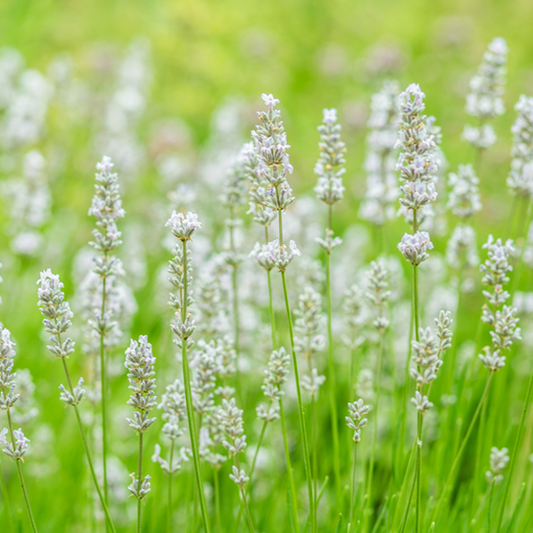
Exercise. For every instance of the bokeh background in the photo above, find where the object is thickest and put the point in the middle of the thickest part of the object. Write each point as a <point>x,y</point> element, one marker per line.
<point>169,89</point>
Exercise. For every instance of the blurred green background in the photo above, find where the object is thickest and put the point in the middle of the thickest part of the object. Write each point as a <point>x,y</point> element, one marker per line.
<point>309,54</point>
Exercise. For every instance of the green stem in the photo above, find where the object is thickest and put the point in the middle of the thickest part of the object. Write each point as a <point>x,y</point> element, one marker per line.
<point>139,482</point>
<point>515,449</point>
<point>408,506</point>
<point>301,411</point>
<point>332,388</point>
<point>490,505</point>
<point>374,435</point>
<point>418,471</point>
<point>20,474</point>
<point>169,506</point>
<point>292,487</point>
<point>86,446</point>
<point>188,397</point>
<point>7,505</point>
<point>103,387</point>
<point>461,449</point>
<point>217,499</point>
<point>352,489</point>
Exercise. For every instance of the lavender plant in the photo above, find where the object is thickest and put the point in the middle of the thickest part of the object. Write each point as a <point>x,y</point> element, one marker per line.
<point>57,315</point>
<point>17,445</point>
<point>107,208</point>
<point>180,269</point>
<point>140,365</point>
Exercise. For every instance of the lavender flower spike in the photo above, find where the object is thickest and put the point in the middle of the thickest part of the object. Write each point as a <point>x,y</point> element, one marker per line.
<point>414,247</point>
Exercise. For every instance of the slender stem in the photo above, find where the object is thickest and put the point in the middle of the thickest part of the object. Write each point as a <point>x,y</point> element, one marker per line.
<point>352,488</point>
<point>247,510</point>
<point>103,387</point>
<point>408,506</point>
<point>479,451</point>
<point>188,397</point>
<point>139,482</point>
<point>404,483</point>
<point>374,435</point>
<point>217,499</point>
<point>7,505</point>
<point>461,449</point>
<point>20,474</point>
<point>86,446</point>
<point>331,386</point>
<point>301,411</point>
<point>169,506</point>
<point>490,505</point>
<point>418,471</point>
<point>314,436</point>
<point>516,446</point>
<point>259,442</point>
<point>292,488</point>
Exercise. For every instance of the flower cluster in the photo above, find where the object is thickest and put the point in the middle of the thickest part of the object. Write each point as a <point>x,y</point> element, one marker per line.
<point>414,247</point>
<point>520,180</point>
<point>329,188</point>
<point>19,443</point>
<point>416,162</point>
<point>174,413</point>
<point>275,377</point>
<point>484,101</point>
<point>462,249</point>
<point>355,316</point>
<point>56,311</point>
<point>427,356</point>
<point>495,270</point>
<point>183,226</point>
<point>355,421</point>
<point>308,341</point>
<point>140,365</point>
<point>270,141</point>
<point>498,462</point>
<point>380,162</point>
<point>378,293</point>
<point>205,364</point>
<point>273,255</point>
<point>464,199</point>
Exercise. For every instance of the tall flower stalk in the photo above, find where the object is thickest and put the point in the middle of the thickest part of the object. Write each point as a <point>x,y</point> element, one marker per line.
<point>418,167</point>
<point>378,294</point>
<point>270,141</point>
<point>495,268</point>
<point>17,446</point>
<point>106,207</point>
<point>484,101</point>
<point>330,190</point>
<point>57,315</point>
<point>180,269</point>
<point>140,365</point>
<point>355,422</point>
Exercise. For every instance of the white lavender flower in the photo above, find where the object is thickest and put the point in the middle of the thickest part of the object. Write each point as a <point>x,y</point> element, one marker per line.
<point>461,251</point>
<point>356,420</point>
<point>183,226</point>
<point>230,419</point>
<point>520,180</point>
<point>378,293</point>
<point>380,163</point>
<point>421,402</point>
<point>309,321</point>
<point>313,381</point>
<point>17,450</point>
<point>464,199</point>
<point>414,247</point>
<point>275,376</point>
<point>239,477</point>
<point>498,462</point>
<point>143,490</point>
<point>355,316</point>
<point>443,330</point>
<point>140,365</point>
<point>426,357</point>
<point>273,255</point>
<point>205,364</point>
<point>484,101</point>
<point>8,397</point>
<point>416,162</point>
<point>329,188</point>
<point>57,313</point>
<point>75,397</point>
<point>270,141</point>
<point>495,270</point>
<point>329,242</point>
